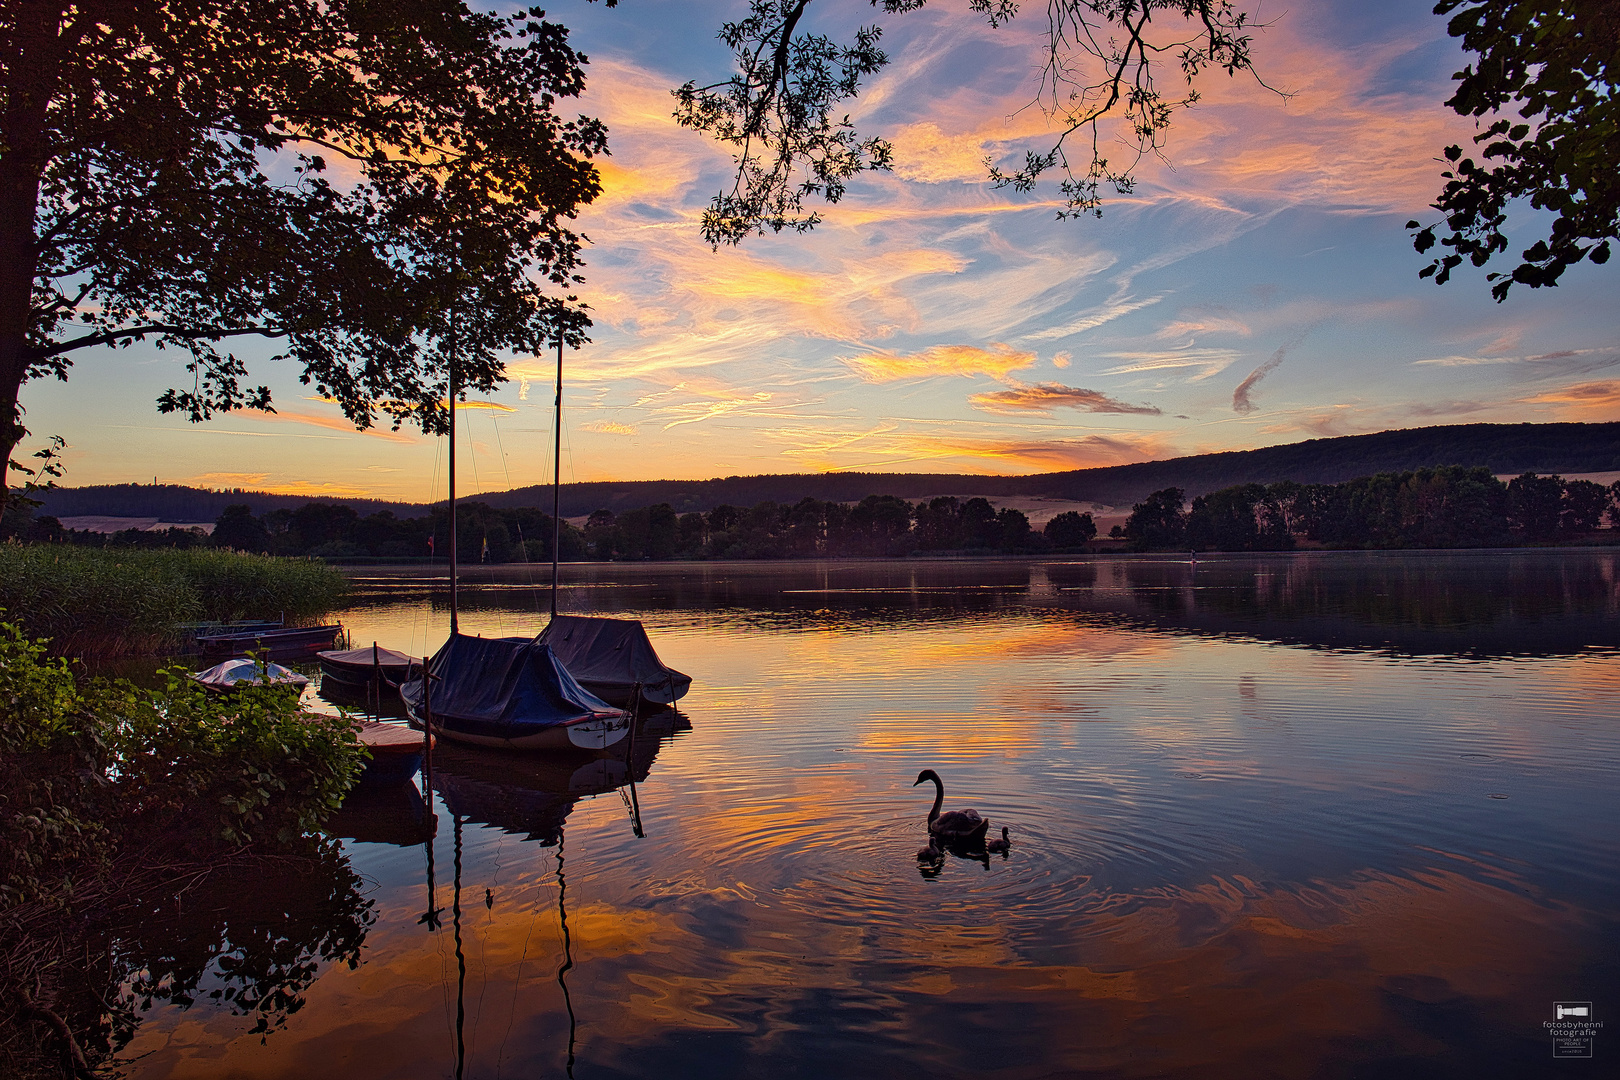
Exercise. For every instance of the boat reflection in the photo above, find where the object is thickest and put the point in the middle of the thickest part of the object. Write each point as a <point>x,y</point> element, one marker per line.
<point>383,814</point>
<point>531,795</point>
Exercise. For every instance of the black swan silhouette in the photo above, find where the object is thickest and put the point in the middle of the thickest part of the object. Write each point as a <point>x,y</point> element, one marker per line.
<point>997,846</point>
<point>957,826</point>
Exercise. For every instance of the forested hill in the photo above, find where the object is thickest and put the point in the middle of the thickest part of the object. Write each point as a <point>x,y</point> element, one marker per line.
<point>175,502</point>
<point>1502,448</point>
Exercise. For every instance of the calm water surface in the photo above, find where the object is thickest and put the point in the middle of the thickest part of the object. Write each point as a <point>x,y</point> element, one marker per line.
<point>1311,815</point>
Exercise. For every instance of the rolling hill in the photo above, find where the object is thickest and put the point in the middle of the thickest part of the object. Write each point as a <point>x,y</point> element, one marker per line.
<point>1502,448</point>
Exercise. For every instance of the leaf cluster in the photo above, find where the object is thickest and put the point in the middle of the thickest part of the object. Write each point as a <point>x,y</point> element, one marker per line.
<point>1552,63</point>
<point>382,186</point>
<point>780,111</point>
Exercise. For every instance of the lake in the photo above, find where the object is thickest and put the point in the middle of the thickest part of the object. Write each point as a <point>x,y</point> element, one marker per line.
<point>1318,814</point>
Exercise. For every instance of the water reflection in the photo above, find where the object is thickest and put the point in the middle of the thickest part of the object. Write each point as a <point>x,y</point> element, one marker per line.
<point>1230,855</point>
<point>1475,603</point>
<point>247,940</point>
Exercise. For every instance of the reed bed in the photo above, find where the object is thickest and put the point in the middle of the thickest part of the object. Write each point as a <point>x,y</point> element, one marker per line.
<point>103,604</point>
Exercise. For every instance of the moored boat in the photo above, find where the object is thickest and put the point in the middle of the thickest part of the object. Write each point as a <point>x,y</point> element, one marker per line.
<point>396,752</point>
<point>612,657</point>
<point>235,674</point>
<point>289,644</point>
<point>358,667</point>
<point>514,694</point>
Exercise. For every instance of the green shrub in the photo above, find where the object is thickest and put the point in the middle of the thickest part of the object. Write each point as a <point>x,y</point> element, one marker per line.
<point>228,768</point>
<point>53,767</point>
<point>92,766</point>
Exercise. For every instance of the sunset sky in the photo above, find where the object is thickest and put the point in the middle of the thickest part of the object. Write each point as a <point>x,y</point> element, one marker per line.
<point>935,324</point>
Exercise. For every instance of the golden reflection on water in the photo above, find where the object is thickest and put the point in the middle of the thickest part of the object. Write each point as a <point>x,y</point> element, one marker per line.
<point>1229,858</point>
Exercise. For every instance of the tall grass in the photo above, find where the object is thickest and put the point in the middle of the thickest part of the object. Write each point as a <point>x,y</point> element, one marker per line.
<point>103,604</point>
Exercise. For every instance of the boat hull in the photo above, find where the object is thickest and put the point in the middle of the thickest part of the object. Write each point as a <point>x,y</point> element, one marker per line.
<point>344,667</point>
<point>294,644</point>
<point>592,733</point>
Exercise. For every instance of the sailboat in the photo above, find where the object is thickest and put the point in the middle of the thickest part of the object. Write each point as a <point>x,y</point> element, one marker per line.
<point>506,692</point>
<point>612,658</point>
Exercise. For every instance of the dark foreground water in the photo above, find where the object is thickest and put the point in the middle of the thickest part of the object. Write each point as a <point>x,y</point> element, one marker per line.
<point>1312,815</point>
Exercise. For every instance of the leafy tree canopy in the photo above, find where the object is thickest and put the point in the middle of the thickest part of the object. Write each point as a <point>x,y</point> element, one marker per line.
<point>378,185</point>
<point>1104,58</point>
<point>1551,63</point>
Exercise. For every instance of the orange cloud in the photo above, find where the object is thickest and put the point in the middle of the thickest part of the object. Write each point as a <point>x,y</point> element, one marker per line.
<point>1600,394</point>
<point>258,482</point>
<point>330,423</point>
<point>996,361</point>
<point>1044,397</point>
<point>885,447</point>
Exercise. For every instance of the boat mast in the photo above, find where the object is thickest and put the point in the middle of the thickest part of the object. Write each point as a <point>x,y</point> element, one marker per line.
<point>453,621</point>
<point>556,479</point>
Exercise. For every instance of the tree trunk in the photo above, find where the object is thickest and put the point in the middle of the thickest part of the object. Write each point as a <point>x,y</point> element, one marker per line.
<point>30,65</point>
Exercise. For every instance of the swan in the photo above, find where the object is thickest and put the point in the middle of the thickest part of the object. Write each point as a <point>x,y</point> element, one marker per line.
<point>999,845</point>
<point>929,853</point>
<point>957,826</point>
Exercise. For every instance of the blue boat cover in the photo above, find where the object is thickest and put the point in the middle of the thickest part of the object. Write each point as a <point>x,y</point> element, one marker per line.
<point>612,657</point>
<point>501,686</point>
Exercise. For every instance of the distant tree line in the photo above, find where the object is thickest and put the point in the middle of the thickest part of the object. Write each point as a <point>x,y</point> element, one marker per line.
<point>1425,508</point>
<point>1450,507</point>
<point>809,528</point>
<point>814,528</point>
<point>1502,448</point>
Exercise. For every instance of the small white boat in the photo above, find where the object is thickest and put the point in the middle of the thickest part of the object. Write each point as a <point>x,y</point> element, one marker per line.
<point>234,674</point>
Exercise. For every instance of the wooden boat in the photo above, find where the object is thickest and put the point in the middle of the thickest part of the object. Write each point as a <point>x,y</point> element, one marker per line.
<point>611,657</point>
<point>290,644</point>
<point>358,667</point>
<point>234,674</point>
<point>510,693</point>
<point>396,752</point>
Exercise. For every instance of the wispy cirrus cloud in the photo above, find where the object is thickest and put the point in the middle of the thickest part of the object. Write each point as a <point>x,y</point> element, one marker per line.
<point>1478,361</point>
<point>330,423</point>
<point>1106,313</point>
<point>1042,398</point>
<point>997,361</point>
<point>610,427</point>
<point>1209,362</point>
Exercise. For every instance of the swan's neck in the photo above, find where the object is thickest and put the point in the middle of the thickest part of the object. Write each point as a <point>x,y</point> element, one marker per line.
<point>939,799</point>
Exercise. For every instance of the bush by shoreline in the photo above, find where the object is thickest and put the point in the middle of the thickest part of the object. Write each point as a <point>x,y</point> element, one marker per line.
<point>100,604</point>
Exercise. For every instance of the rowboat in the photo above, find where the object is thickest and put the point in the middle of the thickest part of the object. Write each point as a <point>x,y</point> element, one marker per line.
<point>296,643</point>
<point>396,752</point>
<point>358,667</point>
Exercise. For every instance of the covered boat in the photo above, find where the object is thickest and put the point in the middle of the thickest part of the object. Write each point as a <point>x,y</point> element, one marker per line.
<point>233,674</point>
<point>357,667</point>
<point>609,657</point>
<point>500,692</point>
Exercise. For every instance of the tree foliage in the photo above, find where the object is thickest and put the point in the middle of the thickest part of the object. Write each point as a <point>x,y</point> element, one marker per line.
<point>1446,507</point>
<point>1103,58</point>
<point>1553,65</point>
<point>378,186</point>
